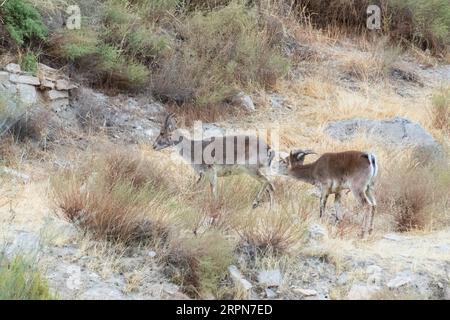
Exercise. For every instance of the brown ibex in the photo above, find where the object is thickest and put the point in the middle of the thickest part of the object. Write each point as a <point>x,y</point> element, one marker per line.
<point>334,173</point>
<point>220,156</point>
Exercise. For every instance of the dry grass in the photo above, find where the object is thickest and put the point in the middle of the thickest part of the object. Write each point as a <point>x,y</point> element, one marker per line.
<point>199,264</point>
<point>226,49</point>
<point>441,110</point>
<point>374,65</point>
<point>117,197</point>
<point>408,192</point>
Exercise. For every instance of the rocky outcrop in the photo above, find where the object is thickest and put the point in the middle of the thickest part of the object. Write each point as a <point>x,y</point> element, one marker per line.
<point>125,118</point>
<point>20,90</point>
<point>396,132</point>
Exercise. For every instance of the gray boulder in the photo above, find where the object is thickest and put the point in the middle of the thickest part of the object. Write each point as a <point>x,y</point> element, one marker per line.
<point>395,133</point>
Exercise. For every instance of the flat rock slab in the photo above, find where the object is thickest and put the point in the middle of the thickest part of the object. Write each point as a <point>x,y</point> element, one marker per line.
<point>270,278</point>
<point>27,93</point>
<point>24,79</point>
<point>396,132</point>
<point>13,68</point>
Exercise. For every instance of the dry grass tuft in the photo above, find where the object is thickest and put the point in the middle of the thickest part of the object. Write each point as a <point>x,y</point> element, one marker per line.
<point>118,196</point>
<point>441,110</point>
<point>408,192</point>
<point>200,264</point>
<point>276,233</point>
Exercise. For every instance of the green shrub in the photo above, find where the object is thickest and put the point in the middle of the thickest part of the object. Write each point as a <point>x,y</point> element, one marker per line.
<point>28,62</point>
<point>431,21</point>
<point>22,21</point>
<point>76,44</point>
<point>199,264</point>
<point>21,280</point>
<point>424,22</point>
<point>144,44</point>
<point>226,49</point>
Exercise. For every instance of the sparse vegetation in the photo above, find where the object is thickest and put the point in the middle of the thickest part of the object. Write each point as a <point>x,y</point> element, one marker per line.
<point>425,23</point>
<point>441,110</point>
<point>29,62</point>
<point>22,21</point>
<point>304,64</point>
<point>408,191</point>
<point>21,280</point>
<point>199,264</point>
<point>226,49</point>
<point>115,197</point>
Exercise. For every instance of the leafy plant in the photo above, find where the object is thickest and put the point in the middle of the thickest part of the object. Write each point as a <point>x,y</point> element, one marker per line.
<point>22,21</point>
<point>21,280</point>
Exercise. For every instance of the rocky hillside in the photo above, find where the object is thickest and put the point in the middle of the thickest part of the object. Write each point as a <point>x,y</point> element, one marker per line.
<point>91,211</point>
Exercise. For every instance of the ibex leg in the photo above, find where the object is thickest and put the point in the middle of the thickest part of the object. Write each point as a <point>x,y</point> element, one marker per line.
<point>337,206</point>
<point>323,201</point>
<point>373,204</point>
<point>266,186</point>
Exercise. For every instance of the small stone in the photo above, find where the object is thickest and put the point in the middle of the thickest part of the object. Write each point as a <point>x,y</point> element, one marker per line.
<point>317,232</point>
<point>270,278</point>
<point>398,281</point>
<point>373,269</point>
<point>270,294</point>
<point>305,292</point>
<point>55,94</point>
<point>244,100</point>
<point>63,84</point>
<point>238,278</point>
<point>152,254</point>
<point>277,101</point>
<point>13,68</point>
<point>47,84</point>
<point>24,79</point>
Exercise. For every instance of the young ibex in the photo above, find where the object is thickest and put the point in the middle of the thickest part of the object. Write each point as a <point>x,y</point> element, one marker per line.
<point>221,156</point>
<point>334,173</point>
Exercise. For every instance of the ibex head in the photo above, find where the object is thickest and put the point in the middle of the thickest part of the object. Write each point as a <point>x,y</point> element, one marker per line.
<point>166,136</point>
<point>295,158</point>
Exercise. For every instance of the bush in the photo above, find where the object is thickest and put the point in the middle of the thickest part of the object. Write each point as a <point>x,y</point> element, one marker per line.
<point>430,21</point>
<point>33,124</point>
<point>225,49</point>
<point>118,197</point>
<point>275,233</point>
<point>424,22</point>
<point>408,192</point>
<point>441,110</point>
<point>199,264</point>
<point>28,62</point>
<point>20,280</point>
<point>22,21</point>
<point>75,44</point>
